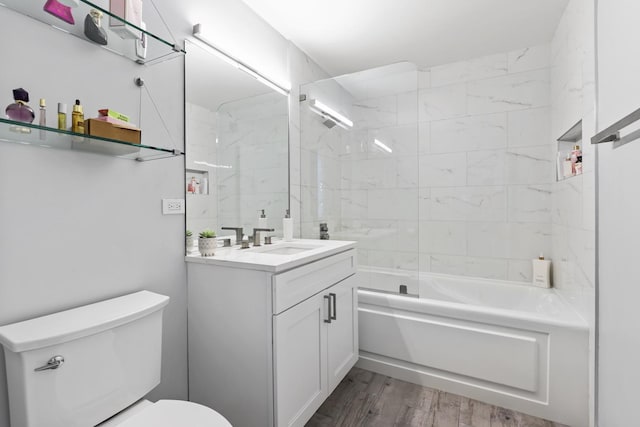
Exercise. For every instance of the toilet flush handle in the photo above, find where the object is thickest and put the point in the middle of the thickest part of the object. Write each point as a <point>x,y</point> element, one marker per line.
<point>54,363</point>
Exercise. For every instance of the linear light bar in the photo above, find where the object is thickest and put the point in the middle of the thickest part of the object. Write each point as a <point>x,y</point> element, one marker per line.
<point>211,165</point>
<point>328,112</point>
<point>382,145</point>
<point>197,33</point>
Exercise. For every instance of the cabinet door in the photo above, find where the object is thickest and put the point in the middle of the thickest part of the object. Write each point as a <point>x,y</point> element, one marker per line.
<point>300,360</point>
<point>342,332</point>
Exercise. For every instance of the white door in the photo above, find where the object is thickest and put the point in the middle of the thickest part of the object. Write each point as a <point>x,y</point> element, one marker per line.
<point>342,332</point>
<point>300,360</point>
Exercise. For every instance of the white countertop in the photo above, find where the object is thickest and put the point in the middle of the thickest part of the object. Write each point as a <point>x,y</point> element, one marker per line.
<point>253,259</point>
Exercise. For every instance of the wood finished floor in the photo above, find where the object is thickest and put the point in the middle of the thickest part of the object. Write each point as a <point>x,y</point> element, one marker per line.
<point>368,399</point>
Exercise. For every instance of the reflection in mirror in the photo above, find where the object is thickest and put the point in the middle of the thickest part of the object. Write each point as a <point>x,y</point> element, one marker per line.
<point>236,147</point>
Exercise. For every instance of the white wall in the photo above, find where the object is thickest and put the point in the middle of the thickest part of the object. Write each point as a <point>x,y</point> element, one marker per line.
<point>96,220</point>
<point>618,213</point>
<point>70,200</point>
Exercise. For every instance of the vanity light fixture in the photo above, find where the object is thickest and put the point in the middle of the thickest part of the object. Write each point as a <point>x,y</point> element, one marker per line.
<point>382,145</point>
<point>329,113</point>
<point>197,33</point>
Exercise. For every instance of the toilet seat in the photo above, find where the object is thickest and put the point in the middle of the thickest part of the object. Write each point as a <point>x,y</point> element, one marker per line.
<point>173,413</point>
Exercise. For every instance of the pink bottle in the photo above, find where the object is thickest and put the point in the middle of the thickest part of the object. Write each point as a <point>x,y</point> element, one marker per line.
<point>60,11</point>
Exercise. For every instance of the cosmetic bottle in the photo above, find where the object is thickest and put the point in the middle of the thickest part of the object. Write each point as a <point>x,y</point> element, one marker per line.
<point>541,272</point>
<point>576,157</point>
<point>19,110</point>
<point>287,227</point>
<point>193,186</point>
<point>93,27</point>
<point>262,219</point>
<point>43,112</point>
<point>567,166</point>
<point>576,160</point>
<point>204,186</point>
<point>77,118</point>
<point>62,116</point>
<point>60,11</point>
<point>43,117</point>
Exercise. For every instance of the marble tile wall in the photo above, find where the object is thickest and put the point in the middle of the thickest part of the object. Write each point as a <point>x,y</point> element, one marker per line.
<point>302,70</point>
<point>363,192</point>
<point>467,188</point>
<point>470,186</point>
<point>243,148</point>
<point>252,159</point>
<point>486,165</point>
<point>573,202</point>
<point>201,128</point>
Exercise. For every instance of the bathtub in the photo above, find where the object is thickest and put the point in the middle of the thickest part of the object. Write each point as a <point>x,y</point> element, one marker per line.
<point>503,343</point>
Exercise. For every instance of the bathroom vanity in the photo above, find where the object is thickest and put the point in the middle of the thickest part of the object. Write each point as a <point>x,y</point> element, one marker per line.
<point>272,329</point>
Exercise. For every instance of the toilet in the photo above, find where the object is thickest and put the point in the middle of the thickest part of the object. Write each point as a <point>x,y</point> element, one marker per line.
<point>92,366</point>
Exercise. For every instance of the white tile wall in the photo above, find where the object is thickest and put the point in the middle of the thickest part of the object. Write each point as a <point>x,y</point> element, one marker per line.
<point>472,176</point>
<point>529,58</point>
<point>253,140</point>
<point>573,201</point>
<point>474,69</point>
<point>469,133</point>
<point>517,91</point>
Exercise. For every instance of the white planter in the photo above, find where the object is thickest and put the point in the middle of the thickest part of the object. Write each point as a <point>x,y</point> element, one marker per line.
<point>207,246</point>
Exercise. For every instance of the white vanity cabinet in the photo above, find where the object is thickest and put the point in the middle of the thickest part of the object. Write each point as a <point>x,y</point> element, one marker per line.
<point>269,343</point>
<point>315,345</point>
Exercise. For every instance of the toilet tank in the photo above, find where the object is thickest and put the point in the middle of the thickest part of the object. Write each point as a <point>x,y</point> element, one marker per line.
<point>112,358</point>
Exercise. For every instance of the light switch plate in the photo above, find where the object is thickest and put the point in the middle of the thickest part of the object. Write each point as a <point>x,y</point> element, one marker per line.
<point>172,206</point>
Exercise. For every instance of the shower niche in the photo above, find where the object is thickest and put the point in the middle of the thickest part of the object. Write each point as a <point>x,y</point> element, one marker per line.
<point>569,153</point>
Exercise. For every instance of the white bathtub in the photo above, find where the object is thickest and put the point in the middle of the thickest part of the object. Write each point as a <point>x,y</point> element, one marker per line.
<point>503,343</point>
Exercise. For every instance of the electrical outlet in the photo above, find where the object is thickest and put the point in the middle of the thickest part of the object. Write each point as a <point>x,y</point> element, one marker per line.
<point>172,206</point>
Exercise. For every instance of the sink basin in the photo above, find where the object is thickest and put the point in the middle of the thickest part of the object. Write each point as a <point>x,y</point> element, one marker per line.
<point>284,249</point>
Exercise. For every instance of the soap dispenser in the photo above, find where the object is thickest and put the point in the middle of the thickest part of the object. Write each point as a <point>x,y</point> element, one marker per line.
<point>541,272</point>
<point>287,227</point>
<point>262,219</point>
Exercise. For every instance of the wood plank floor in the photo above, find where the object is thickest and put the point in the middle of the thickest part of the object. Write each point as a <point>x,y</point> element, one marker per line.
<point>368,399</point>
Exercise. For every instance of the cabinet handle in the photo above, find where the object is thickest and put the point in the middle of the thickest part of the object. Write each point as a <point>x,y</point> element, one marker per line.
<point>335,311</point>
<point>328,319</point>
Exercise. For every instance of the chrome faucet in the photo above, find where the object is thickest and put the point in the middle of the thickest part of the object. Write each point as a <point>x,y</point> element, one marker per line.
<point>256,235</point>
<point>239,233</point>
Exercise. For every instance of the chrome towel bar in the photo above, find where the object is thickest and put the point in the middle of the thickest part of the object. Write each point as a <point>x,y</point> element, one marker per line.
<point>612,133</point>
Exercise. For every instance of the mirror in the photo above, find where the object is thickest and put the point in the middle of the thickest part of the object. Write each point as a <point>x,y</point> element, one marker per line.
<point>237,147</point>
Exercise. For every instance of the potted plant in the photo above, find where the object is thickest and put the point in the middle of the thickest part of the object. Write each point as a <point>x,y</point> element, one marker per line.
<point>189,239</point>
<point>207,243</point>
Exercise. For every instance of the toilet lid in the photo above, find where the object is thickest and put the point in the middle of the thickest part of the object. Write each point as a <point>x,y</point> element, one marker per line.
<point>172,413</point>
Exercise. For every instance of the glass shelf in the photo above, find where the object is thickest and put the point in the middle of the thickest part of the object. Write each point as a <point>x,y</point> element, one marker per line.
<point>158,49</point>
<point>45,137</point>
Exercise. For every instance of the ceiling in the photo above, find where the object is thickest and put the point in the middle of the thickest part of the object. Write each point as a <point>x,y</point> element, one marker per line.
<point>345,36</point>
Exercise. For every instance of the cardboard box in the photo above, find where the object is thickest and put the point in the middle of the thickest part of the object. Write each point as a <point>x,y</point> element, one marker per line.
<point>103,129</point>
